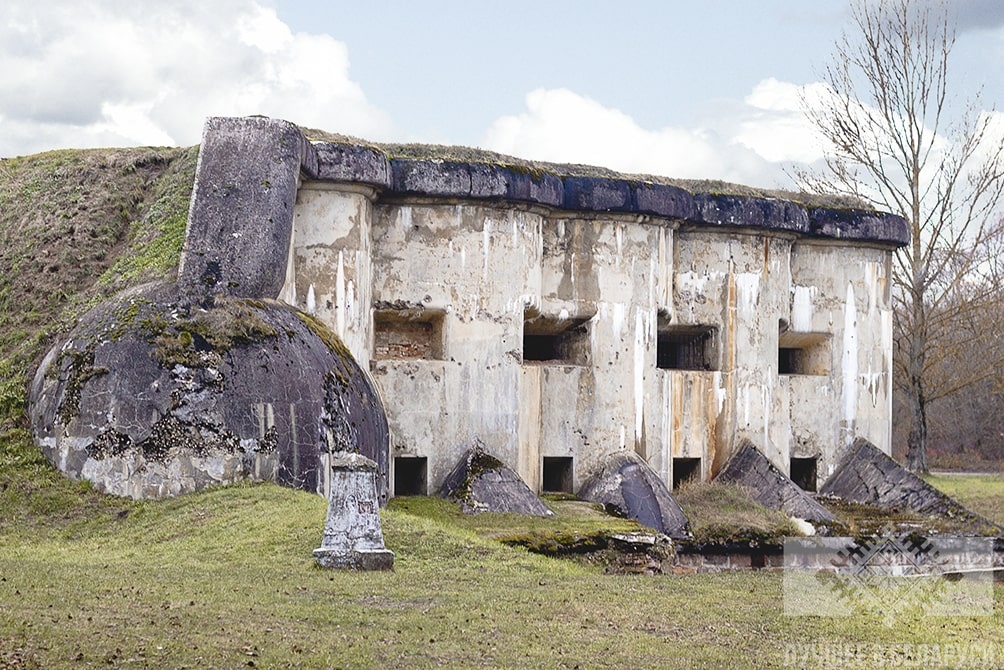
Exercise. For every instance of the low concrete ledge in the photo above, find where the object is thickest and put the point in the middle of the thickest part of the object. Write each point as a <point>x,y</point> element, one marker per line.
<point>856,224</point>
<point>451,179</point>
<point>729,210</point>
<point>663,200</point>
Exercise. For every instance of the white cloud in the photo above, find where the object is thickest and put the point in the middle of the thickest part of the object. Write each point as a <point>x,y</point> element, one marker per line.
<point>108,72</point>
<point>774,125</point>
<point>747,142</point>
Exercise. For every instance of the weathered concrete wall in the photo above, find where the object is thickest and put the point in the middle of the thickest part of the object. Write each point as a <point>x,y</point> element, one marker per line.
<point>549,316</point>
<point>484,271</point>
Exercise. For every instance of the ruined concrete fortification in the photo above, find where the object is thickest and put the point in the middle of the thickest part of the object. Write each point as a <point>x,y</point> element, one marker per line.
<point>556,318</point>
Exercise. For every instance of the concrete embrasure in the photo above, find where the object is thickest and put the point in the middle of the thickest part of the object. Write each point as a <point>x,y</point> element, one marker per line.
<point>627,484</point>
<point>353,537</point>
<point>770,487</point>
<point>482,483</point>
<point>869,477</point>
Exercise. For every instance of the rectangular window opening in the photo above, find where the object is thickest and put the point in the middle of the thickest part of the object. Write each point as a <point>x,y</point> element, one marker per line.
<point>803,473</point>
<point>556,341</point>
<point>407,334</point>
<point>411,476</point>
<point>557,474</point>
<point>803,354</point>
<point>685,470</point>
<point>686,348</point>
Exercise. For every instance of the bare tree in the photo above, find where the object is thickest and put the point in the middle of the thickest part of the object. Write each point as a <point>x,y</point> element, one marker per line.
<point>899,141</point>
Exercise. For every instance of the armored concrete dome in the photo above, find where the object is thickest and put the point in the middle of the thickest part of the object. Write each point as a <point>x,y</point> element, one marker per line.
<point>155,394</point>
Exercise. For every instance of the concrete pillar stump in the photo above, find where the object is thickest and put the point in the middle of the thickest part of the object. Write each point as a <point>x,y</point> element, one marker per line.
<point>352,535</point>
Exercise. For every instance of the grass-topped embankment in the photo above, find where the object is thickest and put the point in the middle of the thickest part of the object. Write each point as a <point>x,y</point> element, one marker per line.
<point>725,513</point>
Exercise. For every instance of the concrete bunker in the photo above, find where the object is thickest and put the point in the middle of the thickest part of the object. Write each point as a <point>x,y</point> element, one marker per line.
<point>556,315</point>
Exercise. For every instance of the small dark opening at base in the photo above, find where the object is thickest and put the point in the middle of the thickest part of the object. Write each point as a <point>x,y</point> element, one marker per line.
<point>803,473</point>
<point>684,470</point>
<point>758,559</point>
<point>557,474</point>
<point>411,476</point>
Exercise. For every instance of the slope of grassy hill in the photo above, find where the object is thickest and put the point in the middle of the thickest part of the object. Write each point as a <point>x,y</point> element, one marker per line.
<point>75,226</point>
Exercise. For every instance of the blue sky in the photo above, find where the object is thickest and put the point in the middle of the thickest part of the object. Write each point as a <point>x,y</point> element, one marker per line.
<point>704,89</point>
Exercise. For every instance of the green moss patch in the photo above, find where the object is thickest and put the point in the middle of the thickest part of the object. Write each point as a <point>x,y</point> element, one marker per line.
<point>204,335</point>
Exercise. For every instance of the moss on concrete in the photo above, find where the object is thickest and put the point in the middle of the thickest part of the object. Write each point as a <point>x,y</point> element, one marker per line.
<point>204,335</point>
<point>723,514</point>
<point>78,371</point>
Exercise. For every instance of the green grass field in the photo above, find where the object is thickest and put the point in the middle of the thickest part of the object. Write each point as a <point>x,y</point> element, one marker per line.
<point>226,579</point>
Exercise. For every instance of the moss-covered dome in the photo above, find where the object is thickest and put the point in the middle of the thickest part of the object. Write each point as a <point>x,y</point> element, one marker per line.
<point>154,394</point>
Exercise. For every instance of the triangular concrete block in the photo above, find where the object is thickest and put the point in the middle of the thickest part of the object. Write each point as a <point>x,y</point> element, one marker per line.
<point>770,487</point>
<point>483,483</point>
<point>867,476</point>
<point>626,482</point>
